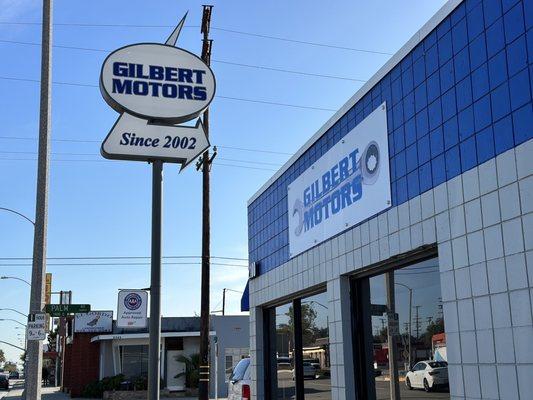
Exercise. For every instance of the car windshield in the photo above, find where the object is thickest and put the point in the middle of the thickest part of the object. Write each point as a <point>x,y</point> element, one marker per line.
<point>240,370</point>
<point>437,364</point>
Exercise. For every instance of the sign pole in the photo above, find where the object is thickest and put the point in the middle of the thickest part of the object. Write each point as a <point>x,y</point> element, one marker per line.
<point>35,347</point>
<point>155,283</point>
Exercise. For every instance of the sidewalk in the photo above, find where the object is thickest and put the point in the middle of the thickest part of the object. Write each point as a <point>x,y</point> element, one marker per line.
<point>53,393</point>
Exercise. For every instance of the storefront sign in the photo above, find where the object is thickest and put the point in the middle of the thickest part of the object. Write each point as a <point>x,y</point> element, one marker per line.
<point>94,321</point>
<point>347,185</point>
<point>132,309</point>
<point>154,86</point>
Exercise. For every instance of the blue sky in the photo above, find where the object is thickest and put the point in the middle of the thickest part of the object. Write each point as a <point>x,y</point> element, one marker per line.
<point>102,208</point>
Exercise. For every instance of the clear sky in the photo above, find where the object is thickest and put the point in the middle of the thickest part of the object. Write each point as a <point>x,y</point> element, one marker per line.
<point>101,208</point>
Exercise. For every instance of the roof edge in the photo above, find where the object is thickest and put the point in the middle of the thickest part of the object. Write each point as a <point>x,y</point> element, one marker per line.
<point>420,35</point>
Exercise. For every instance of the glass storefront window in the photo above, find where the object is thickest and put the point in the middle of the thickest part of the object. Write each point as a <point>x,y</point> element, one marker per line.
<point>284,346</point>
<point>315,347</point>
<point>298,350</point>
<point>135,361</point>
<point>406,341</point>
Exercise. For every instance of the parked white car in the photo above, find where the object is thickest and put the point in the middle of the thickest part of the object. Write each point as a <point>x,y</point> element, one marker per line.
<point>240,381</point>
<point>427,375</point>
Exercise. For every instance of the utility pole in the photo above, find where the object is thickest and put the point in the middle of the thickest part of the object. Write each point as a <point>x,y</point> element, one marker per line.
<point>417,322</point>
<point>35,347</point>
<point>203,385</point>
<point>224,301</point>
<point>394,385</point>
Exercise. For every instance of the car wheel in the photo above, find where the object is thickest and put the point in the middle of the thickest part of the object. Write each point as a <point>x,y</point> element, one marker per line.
<point>426,386</point>
<point>408,384</point>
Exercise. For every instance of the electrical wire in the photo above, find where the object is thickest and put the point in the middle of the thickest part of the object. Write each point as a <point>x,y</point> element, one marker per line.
<point>99,141</point>
<point>217,96</point>
<point>120,264</point>
<point>94,154</point>
<point>226,30</point>
<point>121,258</point>
<point>261,67</point>
<point>106,161</point>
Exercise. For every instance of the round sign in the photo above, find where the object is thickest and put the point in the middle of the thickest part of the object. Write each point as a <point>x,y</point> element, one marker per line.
<point>157,81</point>
<point>133,301</point>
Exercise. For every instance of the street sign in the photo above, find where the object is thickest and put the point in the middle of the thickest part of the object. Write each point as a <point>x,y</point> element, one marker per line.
<point>61,310</point>
<point>35,331</point>
<point>132,309</point>
<point>154,86</point>
<point>36,328</point>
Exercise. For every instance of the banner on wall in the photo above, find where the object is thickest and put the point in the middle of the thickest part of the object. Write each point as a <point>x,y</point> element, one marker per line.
<point>348,184</point>
<point>93,321</point>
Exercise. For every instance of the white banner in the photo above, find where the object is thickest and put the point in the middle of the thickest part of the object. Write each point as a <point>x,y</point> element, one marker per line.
<point>132,309</point>
<point>93,321</point>
<point>347,185</point>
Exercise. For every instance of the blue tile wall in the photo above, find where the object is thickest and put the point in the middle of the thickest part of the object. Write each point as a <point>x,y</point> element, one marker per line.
<point>459,98</point>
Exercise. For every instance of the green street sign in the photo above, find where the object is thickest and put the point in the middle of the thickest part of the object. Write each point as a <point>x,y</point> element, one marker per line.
<point>61,310</point>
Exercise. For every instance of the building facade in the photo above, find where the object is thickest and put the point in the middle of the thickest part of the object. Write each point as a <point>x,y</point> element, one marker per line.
<point>94,356</point>
<point>356,287</point>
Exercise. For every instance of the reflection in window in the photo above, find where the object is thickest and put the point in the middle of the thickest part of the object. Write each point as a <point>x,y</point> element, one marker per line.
<point>135,361</point>
<point>416,325</point>
<point>315,347</point>
<point>285,352</point>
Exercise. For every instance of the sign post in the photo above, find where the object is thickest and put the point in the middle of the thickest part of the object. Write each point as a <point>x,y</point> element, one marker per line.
<point>155,86</point>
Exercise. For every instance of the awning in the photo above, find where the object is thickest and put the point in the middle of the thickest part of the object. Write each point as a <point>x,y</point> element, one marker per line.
<point>245,299</point>
<point>125,336</point>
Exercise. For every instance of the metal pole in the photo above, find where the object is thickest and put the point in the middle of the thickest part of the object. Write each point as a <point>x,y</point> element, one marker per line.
<point>35,347</point>
<point>223,301</point>
<point>393,359</point>
<point>154,352</point>
<point>410,325</point>
<point>203,385</point>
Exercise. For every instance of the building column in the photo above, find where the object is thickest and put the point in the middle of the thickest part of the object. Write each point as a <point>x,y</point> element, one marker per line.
<point>340,339</point>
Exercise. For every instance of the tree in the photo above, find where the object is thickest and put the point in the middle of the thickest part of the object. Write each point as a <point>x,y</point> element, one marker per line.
<point>192,370</point>
<point>2,356</point>
<point>10,366</point>
<point>309,330</point>
<point>433,328</point>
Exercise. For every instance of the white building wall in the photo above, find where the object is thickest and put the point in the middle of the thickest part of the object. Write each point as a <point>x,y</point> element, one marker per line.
<point>482,222</point>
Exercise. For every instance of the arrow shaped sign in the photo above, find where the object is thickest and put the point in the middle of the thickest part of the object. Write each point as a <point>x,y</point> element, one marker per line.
<point>133,138</point>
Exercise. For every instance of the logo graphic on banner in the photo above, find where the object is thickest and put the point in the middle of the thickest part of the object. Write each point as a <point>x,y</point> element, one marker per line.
<point>132,309</point>
<point>154,86</point>
<point>348,184</point>
<point>133,301</point>
<point>93,322</point>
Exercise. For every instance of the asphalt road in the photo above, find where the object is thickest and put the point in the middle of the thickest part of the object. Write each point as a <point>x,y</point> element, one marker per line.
<point>14,385</point>
<point>382,392</point>
<point>320,389</point>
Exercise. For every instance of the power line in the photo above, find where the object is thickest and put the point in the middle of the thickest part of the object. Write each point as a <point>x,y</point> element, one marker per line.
<point>303,42</point>
<point>217,96</point>
<point>108,161</point>
<point>120,264</point>
<point>94,154</point>
<point>234,31</point>
<point>99,141</point>
<point>261,67</point>
<point>120,258</point>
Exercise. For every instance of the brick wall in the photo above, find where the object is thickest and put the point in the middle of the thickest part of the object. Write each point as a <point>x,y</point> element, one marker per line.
<point>81,363</point>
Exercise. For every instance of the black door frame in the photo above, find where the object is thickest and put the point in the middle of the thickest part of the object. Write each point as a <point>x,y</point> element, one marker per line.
<point>361,315</point>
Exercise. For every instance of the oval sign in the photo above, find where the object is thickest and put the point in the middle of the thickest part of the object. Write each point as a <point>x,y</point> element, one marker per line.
<point>157,81</point>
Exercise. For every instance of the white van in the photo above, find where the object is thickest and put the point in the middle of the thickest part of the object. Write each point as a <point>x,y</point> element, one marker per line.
<point>240,382</point>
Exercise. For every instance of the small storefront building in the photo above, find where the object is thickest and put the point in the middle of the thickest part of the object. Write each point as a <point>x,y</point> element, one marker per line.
<point>94,356</point>
<point>393,253</point>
